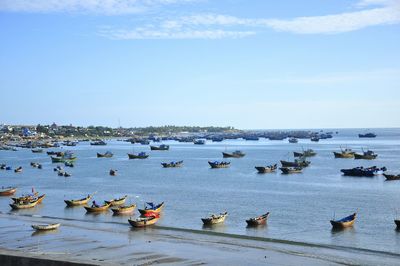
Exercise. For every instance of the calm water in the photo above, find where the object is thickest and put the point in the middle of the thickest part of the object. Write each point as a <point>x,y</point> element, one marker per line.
<point>301,205</point>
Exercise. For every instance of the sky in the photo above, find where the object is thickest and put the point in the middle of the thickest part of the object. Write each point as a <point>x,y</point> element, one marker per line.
<point>250,64</point>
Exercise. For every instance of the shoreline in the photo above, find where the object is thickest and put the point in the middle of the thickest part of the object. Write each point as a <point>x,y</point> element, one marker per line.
<point>99,243</point>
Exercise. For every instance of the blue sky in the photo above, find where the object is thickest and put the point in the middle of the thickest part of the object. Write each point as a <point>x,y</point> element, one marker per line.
<point>248,64</point>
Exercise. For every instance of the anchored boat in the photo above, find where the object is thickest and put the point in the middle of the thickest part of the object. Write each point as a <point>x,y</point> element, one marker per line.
<point>266,169</point>
<point>344,222</point>
<point>144,221</point>
<point>259,220</point>
<point>215,219</point>
<point>43,227</point>
<point>217,164</point>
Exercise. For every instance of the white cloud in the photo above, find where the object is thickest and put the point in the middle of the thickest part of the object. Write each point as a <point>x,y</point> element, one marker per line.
<point>365,13</point>
<point>216,26</point>
<point>107,7</point>
<point>148,33</point>
<point>345,22</point>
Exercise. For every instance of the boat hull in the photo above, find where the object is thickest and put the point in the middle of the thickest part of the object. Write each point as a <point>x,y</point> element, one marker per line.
<point>339,224</point>
<point>8,191</point>
<point>397,222</point>
<point>124,210</point>
<point>71,203</point>
<point>391,177</point>
<point>232,155</point>
<point>150,211</point>
<point>99,155</point>
<point>265,169</point>
<point>215,219</point>
<point>365,157</point>
<point>97,209</point>
<point>134,156</point>
<point>45,227</point>
<point>256,221</point>
<point>143,222</point>
<point>343,155</point>
<point>291,170</point>
<point>117,202</point>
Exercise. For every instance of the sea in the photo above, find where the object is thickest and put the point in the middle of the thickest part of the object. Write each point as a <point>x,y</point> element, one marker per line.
<point>300,205</point>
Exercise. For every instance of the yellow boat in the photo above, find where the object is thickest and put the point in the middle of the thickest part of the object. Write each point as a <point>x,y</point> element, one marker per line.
<point>344,222</point>
<point>26,198</point>
<point>98,209</point>
<point>26,205</point>
<point>117,202</point>
<point>151,208</point>
<point>144,221</point>
<point>78,202</point>
<point>124,209</point>
<point>41,198</point>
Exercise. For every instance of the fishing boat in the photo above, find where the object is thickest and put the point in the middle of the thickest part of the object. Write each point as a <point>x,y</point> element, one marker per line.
<point>315,139</point>
<point>113,172</point>
<point>40,198</point>
<point>18,170</point>
<point>8,191</point>
<point>98,143</point>
<point>296,163</point>
<point>305,153</point>
<point>78,202</point>
<point>235,154</point>
<point>367,135</point>
<point>217,164</point>
<point>293,140</point>
<point>172,164</point>
<point>35,165</point>
<point>397,222</point>
<point>56,153</point>
<point>144,141</point>
<point>366,155</point>
<point>151,208</point>
<point>26,198</point>
<point>67,156</point>
<point>291,170</point>
<point>43,227</point>
<point>199,141</point>
<point>346,153</point>
<point>117,202</point>
<point>69,163</point>
<point>140,155</point>
<point>344,222</point>
<point>37,150</point>
<point>124,209</point>
<point>391,177</point>
<point>101,208</point>
<point>107,154</point>
<point>363,172</point>
<point>144,221</point>
<point>215,219</point>
<point>26,205</point>
<point>266,169</point>
<point>259,220</point>
<point>251,137</point>
<point>162,147</point>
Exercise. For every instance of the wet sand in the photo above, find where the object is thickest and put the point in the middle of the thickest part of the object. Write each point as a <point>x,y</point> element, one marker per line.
<point>111,243</point>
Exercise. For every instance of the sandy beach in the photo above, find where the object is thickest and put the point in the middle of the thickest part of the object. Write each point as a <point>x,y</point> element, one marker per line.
<point>102,243</point>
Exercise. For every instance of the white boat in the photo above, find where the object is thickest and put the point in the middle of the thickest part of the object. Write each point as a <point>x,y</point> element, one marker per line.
<point>45,226</point>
